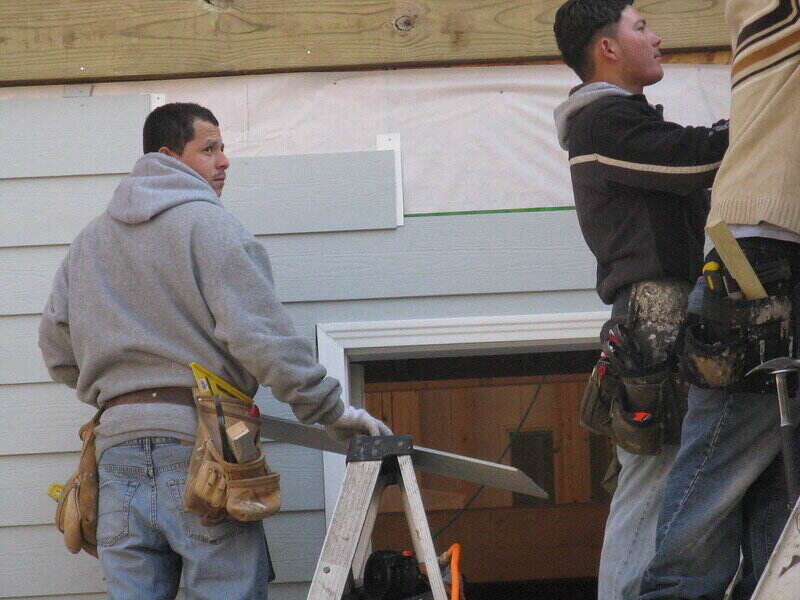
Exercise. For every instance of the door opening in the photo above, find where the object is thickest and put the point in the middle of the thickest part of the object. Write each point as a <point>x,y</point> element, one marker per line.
<point>475,406</point>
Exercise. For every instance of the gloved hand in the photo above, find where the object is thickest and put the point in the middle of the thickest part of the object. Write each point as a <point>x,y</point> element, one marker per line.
<point>355,421</point>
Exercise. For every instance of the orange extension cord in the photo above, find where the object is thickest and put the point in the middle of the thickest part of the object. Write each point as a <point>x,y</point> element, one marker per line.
<point>454,553</point>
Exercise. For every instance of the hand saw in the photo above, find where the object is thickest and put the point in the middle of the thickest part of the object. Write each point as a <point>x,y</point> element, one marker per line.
<point>425,459</point>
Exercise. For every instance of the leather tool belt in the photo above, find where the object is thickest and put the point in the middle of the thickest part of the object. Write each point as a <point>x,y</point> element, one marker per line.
<point>76,512</point>
<point>169,395</point>
<point>635,395</point>
<point>728,335</point>
<point>225,477</point>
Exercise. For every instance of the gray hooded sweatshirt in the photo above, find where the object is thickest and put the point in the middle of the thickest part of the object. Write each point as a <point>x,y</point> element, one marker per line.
<point>165,277</point>
<point>579,98</point>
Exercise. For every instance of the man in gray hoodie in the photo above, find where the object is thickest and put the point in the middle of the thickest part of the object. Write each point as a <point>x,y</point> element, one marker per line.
<point>166,276</point>
<point>640,194</point>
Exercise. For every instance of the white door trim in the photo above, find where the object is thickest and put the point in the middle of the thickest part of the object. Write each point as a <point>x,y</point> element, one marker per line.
<point>338,342</point>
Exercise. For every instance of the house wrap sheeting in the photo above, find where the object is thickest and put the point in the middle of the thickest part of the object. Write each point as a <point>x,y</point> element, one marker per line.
<point>472,138</point>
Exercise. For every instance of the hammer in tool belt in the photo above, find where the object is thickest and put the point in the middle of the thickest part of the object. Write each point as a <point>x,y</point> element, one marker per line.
<point>780,367</point>
<point>740,268</point>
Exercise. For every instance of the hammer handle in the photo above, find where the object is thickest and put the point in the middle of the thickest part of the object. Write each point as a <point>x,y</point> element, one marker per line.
<point>787,439</point>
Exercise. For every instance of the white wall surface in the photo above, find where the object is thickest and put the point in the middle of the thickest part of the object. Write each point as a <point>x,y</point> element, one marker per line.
<point>474,138</point>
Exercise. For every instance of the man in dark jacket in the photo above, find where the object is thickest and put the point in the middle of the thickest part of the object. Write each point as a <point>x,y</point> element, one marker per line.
<point>640,186</point>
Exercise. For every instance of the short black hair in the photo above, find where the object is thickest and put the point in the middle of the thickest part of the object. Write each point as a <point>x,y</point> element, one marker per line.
<point>577,25</point>
<point>172,125</point>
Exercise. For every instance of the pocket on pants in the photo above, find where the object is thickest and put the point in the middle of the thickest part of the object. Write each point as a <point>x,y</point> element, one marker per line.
<point>195,528</point>
<point>113,509</point>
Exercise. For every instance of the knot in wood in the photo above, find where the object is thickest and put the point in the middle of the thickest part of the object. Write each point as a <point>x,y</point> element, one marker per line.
<point>404,23</point>
<point>218,4</point>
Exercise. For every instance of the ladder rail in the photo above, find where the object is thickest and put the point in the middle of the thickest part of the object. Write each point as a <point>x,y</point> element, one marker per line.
<point>364,547</point>
<point>781,577</point>
<point>418,526</point>
<point>345,531</point>
<point>373,464</point>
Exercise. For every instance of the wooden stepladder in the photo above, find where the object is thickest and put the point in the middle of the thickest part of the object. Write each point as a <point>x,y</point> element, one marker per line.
<point>373,463</point>
<point>781,577</point>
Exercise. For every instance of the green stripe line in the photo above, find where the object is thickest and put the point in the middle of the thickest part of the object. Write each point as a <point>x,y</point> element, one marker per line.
<point>491,212</point>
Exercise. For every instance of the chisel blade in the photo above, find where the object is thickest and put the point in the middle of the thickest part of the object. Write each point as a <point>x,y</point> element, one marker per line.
<point>425,459</point>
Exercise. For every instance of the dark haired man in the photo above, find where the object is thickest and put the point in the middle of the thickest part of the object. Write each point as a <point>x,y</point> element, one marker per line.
<point>166,276</point>
<point>640,186</point>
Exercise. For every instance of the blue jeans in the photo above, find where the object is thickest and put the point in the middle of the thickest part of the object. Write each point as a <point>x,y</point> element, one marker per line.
<point>146,539</point>
<point>726,491</point>
<point>629,539</point>
<point>710,510</point>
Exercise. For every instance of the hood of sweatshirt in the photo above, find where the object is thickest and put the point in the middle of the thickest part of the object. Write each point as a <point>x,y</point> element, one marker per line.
<point>580,97</point>
<point>157,183</point>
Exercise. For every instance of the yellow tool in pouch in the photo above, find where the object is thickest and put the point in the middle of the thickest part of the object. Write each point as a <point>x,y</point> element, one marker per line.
<point>218,485</point>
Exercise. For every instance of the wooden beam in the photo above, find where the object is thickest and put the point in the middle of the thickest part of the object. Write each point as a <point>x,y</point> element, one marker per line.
<point>53,41</point>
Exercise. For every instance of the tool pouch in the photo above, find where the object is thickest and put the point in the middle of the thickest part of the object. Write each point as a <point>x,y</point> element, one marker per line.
<point>638,416</point>
<point>741,335</point>
<point>711,364</point>
<point>215,487</point>
<point>595,409</point>
<point>76,513</point>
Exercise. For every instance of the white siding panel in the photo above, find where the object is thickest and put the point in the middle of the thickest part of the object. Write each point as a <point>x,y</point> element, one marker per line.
<point>296,540</point>
<point>436,256</point>
<point>27,478</point>
<point>46,137</point>
<point>26,277</point>
<point>20,359</point>
<point>34,561</point>
<point>276,194</point>
<point>46,418</point>
<point>51,210</point>
<point>344,191</point>
<point>49,415</point>
<point>277,591</point>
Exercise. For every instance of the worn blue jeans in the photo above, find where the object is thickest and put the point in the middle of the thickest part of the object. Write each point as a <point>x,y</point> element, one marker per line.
<point>726,491</point>
<point>146,539</point>
<point>710,510</point>
<point>629,539</point>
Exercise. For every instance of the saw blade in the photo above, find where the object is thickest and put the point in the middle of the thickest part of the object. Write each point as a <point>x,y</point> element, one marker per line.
<point>425,459</point>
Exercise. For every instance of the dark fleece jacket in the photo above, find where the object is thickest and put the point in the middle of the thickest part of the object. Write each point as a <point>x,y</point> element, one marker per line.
<point>640,185</point>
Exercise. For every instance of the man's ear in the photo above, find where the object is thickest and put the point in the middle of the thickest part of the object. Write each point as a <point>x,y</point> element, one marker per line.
<point>608,49</point>
<point>167,151</point>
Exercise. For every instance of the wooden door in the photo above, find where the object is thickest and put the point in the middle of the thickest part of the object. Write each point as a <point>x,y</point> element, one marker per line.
<point>505,536</point>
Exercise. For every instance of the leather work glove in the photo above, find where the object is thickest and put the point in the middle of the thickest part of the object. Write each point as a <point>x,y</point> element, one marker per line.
<point>355,421</point>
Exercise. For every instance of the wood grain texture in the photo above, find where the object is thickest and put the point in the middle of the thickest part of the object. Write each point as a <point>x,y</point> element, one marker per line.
<point>543,543</point>
<point>707,57</point>
<point>101,40</point>
<point>474,417</point>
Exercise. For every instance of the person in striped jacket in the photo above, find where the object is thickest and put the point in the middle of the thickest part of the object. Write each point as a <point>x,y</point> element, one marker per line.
<point>726,490</point>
